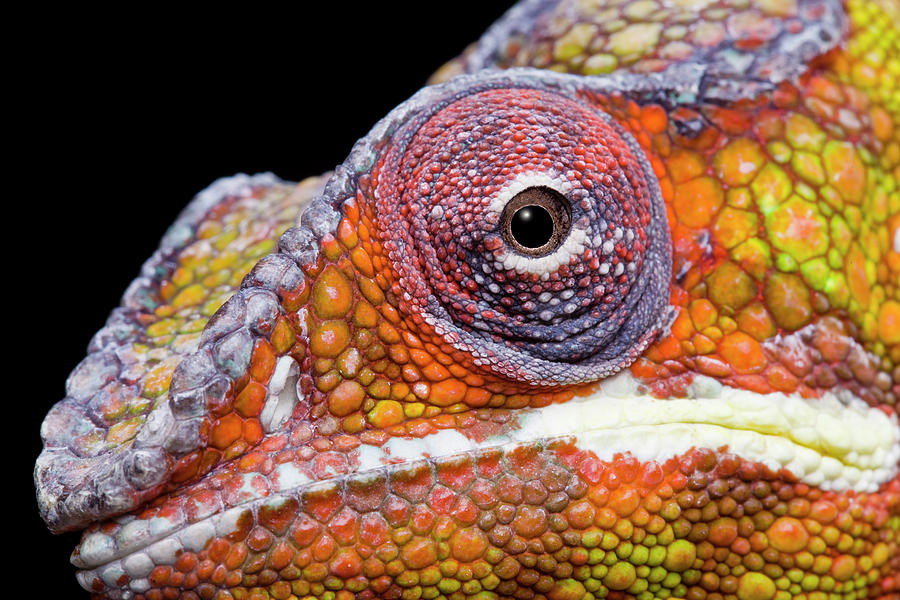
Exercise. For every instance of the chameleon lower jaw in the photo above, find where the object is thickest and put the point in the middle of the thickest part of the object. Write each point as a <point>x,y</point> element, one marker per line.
<point>839,445</point>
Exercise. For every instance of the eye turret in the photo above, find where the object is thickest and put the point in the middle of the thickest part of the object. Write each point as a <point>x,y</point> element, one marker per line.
<point>526,228</point>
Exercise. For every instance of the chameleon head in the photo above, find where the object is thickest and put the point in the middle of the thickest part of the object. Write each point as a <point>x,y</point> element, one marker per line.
<point>425,388</point>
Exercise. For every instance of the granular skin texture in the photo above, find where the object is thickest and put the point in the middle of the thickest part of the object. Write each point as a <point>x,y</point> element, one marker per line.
<point>744,230</point>
<point>550,521</point>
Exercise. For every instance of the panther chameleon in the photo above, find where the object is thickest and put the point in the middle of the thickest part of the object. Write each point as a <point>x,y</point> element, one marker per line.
<point>611,310</point>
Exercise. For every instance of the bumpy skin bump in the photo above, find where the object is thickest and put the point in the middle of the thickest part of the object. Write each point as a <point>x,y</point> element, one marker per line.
<point>334,431</point>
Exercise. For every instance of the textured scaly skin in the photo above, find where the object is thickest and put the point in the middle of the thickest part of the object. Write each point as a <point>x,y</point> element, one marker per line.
<point>782,211</point>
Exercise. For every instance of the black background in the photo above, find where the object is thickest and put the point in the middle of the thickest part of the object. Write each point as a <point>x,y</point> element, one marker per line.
<point>117,120</point>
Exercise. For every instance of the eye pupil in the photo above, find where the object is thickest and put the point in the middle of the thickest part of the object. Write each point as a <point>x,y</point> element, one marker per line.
<point>536,221</point>
<point>532,226</point>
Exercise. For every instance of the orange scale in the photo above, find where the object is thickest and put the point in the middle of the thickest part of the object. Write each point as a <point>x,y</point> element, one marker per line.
<point>697,201</point>
<point>645,369</point>
<point>350,208</point>
<point>343,527</point>
<point>785,96</point>
<point>447,392</point>
<point>889,323</point>
<point>457,370</point>
<point>633,109</point>
<point>262,362</point>
<point>781,379</point>
<point>321,504</point>
<point>752,383</point>
<point>468,544</point>
<point>477,397</point>
<point>668,348</point>
<point>712,367</point>
<point>540,401</point>
<point>186,562</point>
<point>420,391</point>
<point>275,446</point>
<point>702,344</point>
<point>387,333</point>
<point>398,354</point>
<point>444,422</point>
<point>210,458</point>
<point>411,340</point>
<point>346,234</point>
<point>329,339</point>
<point>730,121</point>
<point>676,483</point>
<point>364,230</point>
<point>293,300</point>
<point>232,579</point>
<point>882,124</point>
<point>682,328</point>
<point>742,352</point>
<point>364,315</point>
<point>167,291</point>
<point>331,248</point>
<point>241,382</point>
<point>346,564</point>
<point>756,321</point>
<point>346,443</point>
<point>684,165</point>
<point>787,534</point>
<point>346,398</point>
<point>433,371</point>
<point>419,428</point>
<point>643,138</point>
<point>304,531</point>
<point>236,556</point>
<point>323,548</point>
<point>252,462</point>
<point>250,402</point>
<point>217,551</point>
<point>654,119</point>
<point>345,266</point>
<point>332,296</point>
<point>158,577</point>
<point>565,395</point>
<point>361,260</point>
<point>624,501</point>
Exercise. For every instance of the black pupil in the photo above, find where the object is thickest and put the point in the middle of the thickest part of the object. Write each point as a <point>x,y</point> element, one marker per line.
<point>532,226</point>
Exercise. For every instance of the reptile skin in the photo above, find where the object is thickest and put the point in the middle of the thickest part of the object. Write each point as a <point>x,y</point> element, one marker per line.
<point>690,394</point>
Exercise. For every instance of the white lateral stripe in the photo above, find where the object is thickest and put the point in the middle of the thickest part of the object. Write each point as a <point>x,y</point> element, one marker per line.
<point>836,442</point>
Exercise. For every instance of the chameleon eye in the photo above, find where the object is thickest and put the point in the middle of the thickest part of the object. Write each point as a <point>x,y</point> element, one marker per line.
<point>526,228</point>
<point>536,221</point>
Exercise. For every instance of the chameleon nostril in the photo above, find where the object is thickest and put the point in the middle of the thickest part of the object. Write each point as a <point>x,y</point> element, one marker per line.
<point>536,221</point>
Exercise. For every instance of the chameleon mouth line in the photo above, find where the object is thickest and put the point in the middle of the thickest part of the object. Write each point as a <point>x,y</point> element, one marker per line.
<point>835,442</point>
